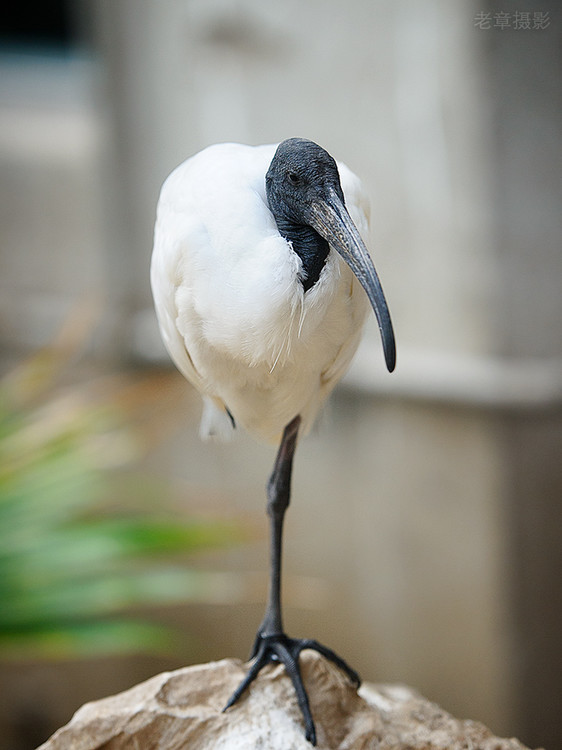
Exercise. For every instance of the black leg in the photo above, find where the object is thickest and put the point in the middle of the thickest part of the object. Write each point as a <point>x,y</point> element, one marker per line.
<point>271,643</point>
<point>278,497</point>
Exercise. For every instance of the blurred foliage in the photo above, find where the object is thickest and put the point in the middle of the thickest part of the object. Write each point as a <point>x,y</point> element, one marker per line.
<point>78,549</point>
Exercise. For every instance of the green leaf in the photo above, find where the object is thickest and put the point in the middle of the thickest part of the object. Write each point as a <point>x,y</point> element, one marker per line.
<point>68,563</point>
<point>93,639</point>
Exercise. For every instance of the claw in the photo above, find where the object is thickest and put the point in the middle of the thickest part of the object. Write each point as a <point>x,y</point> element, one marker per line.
<point>291,662</point>
<point>287,650</point>
<point>251,675</point>
<point>333,657</point>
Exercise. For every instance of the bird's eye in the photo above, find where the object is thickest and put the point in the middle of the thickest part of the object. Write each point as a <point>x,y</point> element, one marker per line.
<point>294,179</point>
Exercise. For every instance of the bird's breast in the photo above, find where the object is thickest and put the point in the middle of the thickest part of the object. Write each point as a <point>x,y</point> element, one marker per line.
<point>256,310</point>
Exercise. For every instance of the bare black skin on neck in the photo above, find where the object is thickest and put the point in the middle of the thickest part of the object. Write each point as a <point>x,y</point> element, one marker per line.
<point>309,246</point>
<point>300,172</point>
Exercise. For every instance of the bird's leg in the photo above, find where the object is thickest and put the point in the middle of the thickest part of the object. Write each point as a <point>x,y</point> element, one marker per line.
<point>272,644</point>
<point>278,498</point>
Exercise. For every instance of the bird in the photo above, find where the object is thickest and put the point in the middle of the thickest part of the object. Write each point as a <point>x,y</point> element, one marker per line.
<point>262,282</point>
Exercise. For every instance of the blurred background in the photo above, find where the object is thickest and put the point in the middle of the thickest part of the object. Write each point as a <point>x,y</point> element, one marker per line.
<point>423,541</point>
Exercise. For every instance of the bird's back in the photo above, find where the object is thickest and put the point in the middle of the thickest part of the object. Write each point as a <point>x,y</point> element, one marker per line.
<point>229,299</point>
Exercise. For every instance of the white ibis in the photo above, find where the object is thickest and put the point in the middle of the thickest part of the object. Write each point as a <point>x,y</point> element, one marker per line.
<point>259,274</point>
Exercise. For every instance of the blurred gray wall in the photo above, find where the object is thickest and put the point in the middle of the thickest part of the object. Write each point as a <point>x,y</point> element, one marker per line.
<point>423,542</point>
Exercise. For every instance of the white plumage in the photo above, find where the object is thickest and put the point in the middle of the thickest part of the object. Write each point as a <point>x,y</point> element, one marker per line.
<point>231,307</point>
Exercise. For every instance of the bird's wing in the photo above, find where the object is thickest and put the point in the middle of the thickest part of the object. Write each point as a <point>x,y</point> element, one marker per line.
<point>356,199</point>
<point>187,240</point>
<point>167,280</point>
<point>170,242</point>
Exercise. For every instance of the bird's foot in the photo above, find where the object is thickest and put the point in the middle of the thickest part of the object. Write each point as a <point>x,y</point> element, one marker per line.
<point>281,648</point>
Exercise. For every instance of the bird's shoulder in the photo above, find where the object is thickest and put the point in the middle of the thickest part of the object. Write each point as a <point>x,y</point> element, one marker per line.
<point>356,198</point>
<point>215,204</point>
<point>215,176</point>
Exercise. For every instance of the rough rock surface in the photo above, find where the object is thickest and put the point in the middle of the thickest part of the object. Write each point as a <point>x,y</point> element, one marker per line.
<point>182,710</point>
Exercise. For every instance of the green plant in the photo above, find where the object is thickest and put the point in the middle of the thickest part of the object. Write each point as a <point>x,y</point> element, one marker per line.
<point>76,552</point>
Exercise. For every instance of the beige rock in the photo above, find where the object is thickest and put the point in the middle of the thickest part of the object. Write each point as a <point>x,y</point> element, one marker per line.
<point>182,710</point>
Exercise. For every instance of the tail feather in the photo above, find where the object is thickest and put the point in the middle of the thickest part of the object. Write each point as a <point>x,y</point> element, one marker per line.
<point>217,423</point>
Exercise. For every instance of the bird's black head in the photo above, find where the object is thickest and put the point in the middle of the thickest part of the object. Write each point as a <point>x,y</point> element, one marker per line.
<point>306,199</point>
<point>300,173</point>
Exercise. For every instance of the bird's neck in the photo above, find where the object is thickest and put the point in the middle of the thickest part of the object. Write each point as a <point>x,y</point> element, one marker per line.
<point>311,248</point>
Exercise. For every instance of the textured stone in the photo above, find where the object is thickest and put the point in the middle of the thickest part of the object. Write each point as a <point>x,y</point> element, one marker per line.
<point>182,710</point>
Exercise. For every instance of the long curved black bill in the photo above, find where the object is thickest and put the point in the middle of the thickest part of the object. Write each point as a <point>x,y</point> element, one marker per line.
<point>329,217</point>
